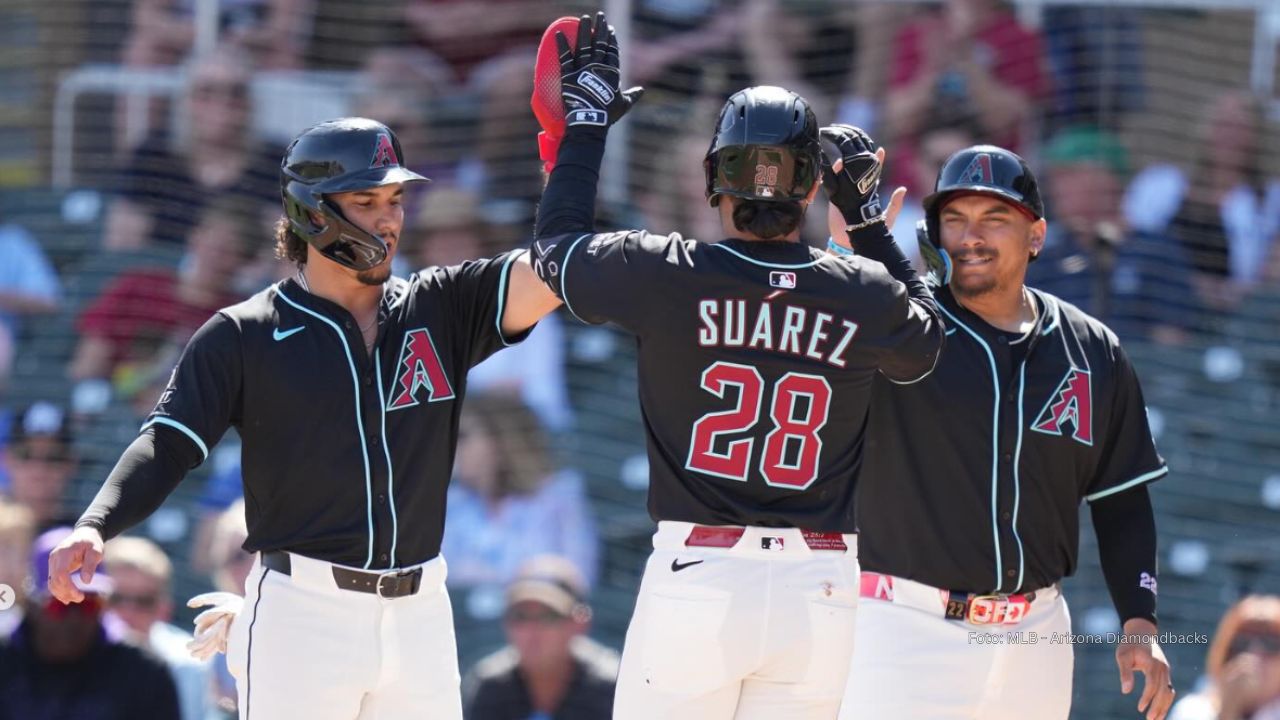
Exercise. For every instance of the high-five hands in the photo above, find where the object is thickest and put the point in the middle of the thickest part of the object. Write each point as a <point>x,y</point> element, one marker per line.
<point>589,77</point>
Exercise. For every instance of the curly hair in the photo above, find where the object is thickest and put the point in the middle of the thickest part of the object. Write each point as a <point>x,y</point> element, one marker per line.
<point>288,245</point>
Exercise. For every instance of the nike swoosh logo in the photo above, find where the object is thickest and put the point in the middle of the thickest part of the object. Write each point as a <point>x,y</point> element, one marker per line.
<point>278,335</point>
<point>677,566</point>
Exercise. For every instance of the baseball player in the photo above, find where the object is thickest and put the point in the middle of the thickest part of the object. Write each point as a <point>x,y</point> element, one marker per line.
<point>344,384</point>
<point>756,358</point>
<point>969,495</point>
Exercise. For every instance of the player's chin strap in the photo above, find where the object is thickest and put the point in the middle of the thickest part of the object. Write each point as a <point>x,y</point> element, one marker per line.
<point>937,261</point>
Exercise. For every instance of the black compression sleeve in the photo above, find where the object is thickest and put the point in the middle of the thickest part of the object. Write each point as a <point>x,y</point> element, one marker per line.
<point>875,243</point>
<point>1126,530</point>
<point>569,199</point>
<point>150,468</point>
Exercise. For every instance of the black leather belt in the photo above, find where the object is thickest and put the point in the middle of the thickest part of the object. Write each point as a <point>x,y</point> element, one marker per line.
<point>389,584</point>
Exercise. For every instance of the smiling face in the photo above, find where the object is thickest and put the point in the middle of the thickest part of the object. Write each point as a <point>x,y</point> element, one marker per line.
<point>379,211</point>
<point>990,242</point>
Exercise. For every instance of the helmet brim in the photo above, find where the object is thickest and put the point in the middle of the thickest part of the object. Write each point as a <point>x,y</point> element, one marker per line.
<point>371,178</point>
<point>933,201</point>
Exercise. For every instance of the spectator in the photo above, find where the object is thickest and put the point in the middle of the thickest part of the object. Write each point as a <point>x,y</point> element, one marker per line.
<point>17,530</point>
<point>670,191</point>
<point>1095,55</point>
<point>1223,209</point>
<point>934,145</point>
<point>448,229</point>
<point>1243,666</point>
<point>970,61</point>
<point>161,34</point>
<point>145,310</point>
<point>550,669</point>
<point>61,663</point>
<point>28,283</point>
<point>143,600</point>
<point>507,502</point>
<point>40,460</point>
<point>469,36</point>
<point>489,49</point>
<point>162,31</point>
<point>166,183</point>
<point>409,90</point>
<point>804,48</point>
<point>1138,283</point>
<point>679,48</point>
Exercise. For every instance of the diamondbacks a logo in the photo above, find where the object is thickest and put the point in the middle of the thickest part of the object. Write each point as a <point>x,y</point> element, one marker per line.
<point>385,153</point>
<point>1071,404</point>
<point>978,170</point>
<point>419,369</point>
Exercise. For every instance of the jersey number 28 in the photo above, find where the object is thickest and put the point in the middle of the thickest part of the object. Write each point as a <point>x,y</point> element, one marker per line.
<point>792,447</point>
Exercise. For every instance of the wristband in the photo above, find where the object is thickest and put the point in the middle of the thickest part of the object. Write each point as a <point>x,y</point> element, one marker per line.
<point>837,248</point>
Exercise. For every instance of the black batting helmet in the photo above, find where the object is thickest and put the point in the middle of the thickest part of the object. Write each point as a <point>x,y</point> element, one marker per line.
<point>765,147</point>
<point>982,169</point>
<point>339,156</point>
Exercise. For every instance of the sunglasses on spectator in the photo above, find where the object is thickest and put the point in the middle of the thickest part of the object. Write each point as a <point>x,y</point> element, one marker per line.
<point>1262,644</point>
<point>142,601</point>
<point>91,606</point>
<point>55,456</point>
<point>541,616</point>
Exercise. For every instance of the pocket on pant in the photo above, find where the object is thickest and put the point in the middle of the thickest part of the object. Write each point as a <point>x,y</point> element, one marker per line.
<point>683,649</point>
<point>832,626</point>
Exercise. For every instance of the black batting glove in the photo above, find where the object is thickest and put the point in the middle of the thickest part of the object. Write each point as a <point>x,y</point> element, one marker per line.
<point>855,190</point>
<point>589,78</point>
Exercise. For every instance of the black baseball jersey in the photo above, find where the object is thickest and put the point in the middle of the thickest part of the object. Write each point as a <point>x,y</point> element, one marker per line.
<point>346,457</point>
<point>755,365</point>
<point>973,477</point>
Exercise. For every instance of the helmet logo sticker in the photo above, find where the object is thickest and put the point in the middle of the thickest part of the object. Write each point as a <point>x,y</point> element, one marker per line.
<point>385,153</point>
<point>978,170</point>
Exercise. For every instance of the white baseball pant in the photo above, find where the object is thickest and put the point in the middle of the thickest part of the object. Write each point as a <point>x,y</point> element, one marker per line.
<point>303,648</point>
<point>912,663</point>
<point>760,630</point>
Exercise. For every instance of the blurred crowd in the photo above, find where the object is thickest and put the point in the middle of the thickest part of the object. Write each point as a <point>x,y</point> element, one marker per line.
<point>1175,250</point>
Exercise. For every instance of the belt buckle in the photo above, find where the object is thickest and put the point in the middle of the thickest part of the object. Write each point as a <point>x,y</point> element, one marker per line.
<point>397,575</point>
<point>986,609</point>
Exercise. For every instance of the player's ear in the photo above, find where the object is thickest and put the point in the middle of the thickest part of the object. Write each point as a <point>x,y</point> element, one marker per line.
<point>1038,230</point>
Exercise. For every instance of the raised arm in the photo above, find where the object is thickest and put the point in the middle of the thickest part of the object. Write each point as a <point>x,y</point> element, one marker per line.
<point>589,72</point>
<point>852,184</point>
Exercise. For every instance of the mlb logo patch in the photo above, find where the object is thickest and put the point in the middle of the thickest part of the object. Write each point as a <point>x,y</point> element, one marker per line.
<point>771,543</point>
<point>784,280</point>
